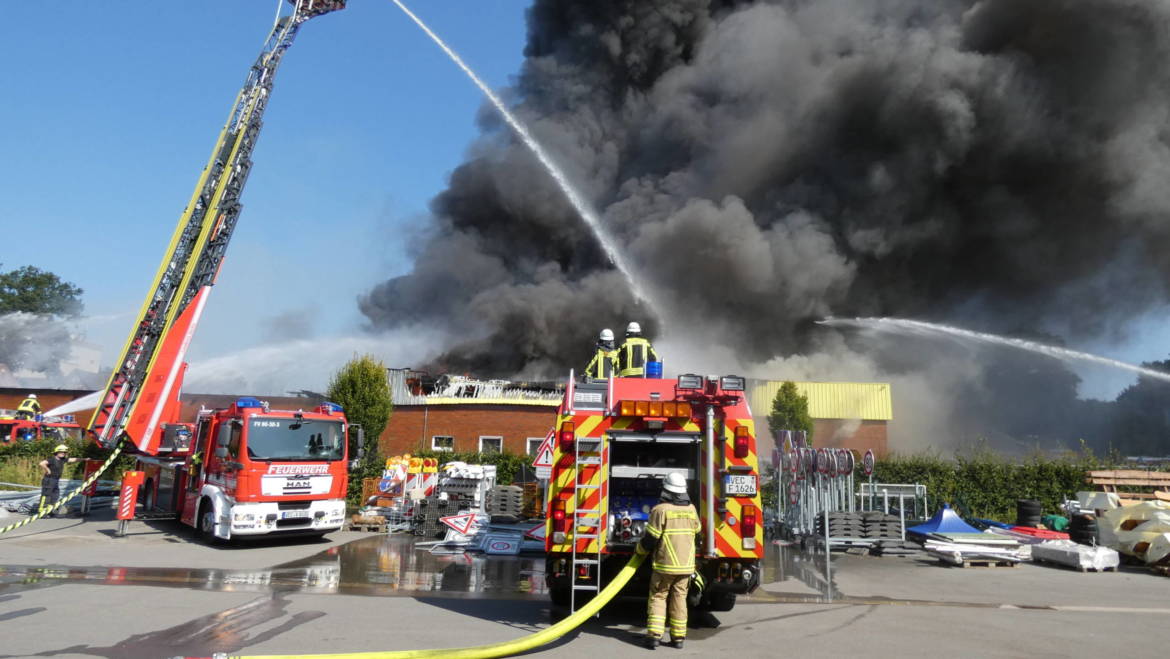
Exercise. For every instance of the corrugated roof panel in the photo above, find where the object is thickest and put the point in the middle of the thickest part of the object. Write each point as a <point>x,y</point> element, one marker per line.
<point>867,401</point>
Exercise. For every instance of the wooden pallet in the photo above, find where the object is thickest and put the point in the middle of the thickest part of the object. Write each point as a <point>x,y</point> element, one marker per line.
<point>363,526</point>
<point>1075,567</point>
<point>982,562</point>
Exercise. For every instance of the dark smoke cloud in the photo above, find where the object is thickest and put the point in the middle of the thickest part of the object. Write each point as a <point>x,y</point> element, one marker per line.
<point>1000,162</point>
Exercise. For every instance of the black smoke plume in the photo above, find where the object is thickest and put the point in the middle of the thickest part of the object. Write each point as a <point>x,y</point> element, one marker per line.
<point>999,163</point>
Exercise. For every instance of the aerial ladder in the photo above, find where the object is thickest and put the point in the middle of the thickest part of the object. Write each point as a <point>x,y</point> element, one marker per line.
<point>148,375</point>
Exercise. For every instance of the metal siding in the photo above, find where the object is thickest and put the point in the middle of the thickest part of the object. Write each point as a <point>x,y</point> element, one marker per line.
<point>867,401</point>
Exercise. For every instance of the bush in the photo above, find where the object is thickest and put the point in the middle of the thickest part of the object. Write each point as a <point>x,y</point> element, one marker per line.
<point>988,484</point>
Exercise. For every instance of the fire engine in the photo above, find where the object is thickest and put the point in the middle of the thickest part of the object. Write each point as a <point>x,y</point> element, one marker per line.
<point>247,469</point>
<point>614,442</point>
<point>58,429</point>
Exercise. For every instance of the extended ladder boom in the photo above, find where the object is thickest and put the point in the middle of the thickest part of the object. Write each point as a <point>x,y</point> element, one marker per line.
<point>149,371</point>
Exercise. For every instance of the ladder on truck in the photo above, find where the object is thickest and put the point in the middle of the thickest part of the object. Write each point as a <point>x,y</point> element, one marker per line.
<point>148,373</point>
<point>587,452</point>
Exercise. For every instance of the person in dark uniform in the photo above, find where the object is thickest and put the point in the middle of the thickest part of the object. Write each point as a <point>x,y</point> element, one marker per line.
<point>53,467</point>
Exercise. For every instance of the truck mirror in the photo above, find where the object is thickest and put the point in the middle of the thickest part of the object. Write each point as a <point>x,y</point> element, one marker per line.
<point>221,452</point>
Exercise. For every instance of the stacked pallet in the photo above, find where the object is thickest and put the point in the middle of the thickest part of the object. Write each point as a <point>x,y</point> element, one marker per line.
<point>425,522</point>
<point>505,500</point>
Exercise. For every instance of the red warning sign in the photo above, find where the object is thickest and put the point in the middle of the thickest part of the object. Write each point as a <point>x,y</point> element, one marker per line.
<point>544,455</point>
<point>461,523</point>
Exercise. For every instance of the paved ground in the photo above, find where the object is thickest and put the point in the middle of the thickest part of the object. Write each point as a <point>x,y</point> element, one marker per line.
<point>70,589</point>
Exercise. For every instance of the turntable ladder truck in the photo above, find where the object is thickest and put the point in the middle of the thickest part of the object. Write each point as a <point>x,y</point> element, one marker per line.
<point>246,469</point>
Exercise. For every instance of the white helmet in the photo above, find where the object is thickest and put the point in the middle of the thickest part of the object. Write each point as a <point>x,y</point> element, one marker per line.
<point>675,483</point>
<point>32,396</point>
<point>606,335</point>
<point>633,328</point>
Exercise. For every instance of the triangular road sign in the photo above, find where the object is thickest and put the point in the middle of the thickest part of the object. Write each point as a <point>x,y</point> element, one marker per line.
<point>536,533</point>
<point>461,523</point>
<point>544,455</point>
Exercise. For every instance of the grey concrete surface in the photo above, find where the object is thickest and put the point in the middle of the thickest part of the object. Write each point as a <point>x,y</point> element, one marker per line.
<point>69,589</point>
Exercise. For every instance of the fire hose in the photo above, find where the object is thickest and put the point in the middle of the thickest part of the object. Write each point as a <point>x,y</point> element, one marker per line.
<point>64,500</point>
<point>503,649</point>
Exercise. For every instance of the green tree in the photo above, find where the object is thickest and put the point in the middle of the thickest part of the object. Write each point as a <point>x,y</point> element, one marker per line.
<point>361,387</point>
<point>33,290</point>
<point>790,411</point>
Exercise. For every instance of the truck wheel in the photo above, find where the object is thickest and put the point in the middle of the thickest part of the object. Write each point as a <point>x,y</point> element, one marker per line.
<point>721,602</point>
<point>207,522</point>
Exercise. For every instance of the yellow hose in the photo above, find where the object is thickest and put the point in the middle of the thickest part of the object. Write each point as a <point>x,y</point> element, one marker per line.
<point>504,649</point>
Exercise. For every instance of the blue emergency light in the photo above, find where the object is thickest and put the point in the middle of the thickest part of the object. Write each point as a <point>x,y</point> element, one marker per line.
<point>331,408</point>
<point>248,401</point>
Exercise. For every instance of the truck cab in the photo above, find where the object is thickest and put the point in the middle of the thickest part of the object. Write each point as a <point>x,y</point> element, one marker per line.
<point>250,470</point>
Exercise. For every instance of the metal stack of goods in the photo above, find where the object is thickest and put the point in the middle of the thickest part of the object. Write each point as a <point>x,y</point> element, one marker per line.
<point>1028,513</point>
<point>842,525</point>
<point>882,525</point>
<point>505,500</point>
<point>468,483</point>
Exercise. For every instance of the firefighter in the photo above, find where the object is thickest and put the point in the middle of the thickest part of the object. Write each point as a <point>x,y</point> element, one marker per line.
<point>634,353</point>
<point>50,482</point>
<point>604,362</point>
<point>30,408</point>
<point>670,538</point>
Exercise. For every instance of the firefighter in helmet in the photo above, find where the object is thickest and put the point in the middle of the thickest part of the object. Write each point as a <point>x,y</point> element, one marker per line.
<point>604,363</point>
<point>634,353</point>
<point>670,539</point>
<point>52,469</point>
<point>29,408</point>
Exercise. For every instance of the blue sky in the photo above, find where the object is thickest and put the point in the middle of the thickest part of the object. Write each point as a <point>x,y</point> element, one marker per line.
<point>111,109</point>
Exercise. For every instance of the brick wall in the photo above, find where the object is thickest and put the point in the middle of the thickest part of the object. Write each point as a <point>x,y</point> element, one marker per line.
<point>411,427</point>
<point>11,397</point>
<point>859,436</point>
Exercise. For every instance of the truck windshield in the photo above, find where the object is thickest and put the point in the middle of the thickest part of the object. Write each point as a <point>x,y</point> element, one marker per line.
<point>271,438</point>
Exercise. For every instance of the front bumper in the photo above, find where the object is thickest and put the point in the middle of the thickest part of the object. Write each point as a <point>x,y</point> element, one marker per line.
<point>270,517</point>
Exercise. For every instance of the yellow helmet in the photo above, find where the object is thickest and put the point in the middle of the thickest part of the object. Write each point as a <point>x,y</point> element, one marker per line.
<point>61,448</point>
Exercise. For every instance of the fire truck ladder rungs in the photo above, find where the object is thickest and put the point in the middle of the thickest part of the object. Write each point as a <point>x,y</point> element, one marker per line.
<point>587,452</point>
<point>195,254</point>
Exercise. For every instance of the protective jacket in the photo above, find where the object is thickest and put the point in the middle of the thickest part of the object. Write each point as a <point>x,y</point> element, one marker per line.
<point>633,355</point>
<point>29,408</point>
<point>672,528</point>
<point>604,364</point>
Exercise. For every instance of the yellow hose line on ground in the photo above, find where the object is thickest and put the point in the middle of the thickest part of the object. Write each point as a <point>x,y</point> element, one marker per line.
<point>504,649</point>
<point>61,502</point>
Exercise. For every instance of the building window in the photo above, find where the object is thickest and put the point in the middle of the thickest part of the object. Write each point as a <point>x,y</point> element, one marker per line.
<point>534,445</point>
<point>442,443</point>
<point>491,444</point>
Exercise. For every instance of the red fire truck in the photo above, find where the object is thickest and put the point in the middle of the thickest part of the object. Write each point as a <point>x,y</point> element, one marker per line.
<point>247,469</point>
<point>615,441</point>
<point>250,470</point>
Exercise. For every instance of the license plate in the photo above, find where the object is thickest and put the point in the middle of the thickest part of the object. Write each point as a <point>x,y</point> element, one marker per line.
<point>293,514</point>
<point>739,485</point>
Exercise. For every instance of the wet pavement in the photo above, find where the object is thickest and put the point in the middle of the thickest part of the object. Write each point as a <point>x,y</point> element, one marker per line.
<point>380,565</point>
<point>362,592</point>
